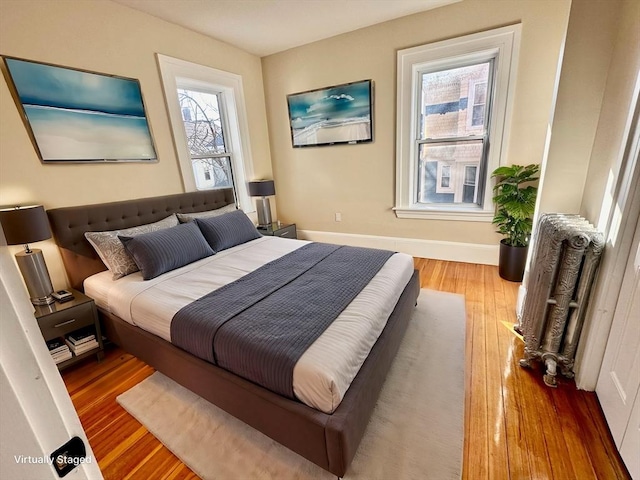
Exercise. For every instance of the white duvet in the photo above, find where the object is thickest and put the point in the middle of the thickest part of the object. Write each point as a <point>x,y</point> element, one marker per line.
<point>324,372</point>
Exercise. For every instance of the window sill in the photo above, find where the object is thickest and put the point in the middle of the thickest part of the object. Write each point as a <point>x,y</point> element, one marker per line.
<point>462,215</point>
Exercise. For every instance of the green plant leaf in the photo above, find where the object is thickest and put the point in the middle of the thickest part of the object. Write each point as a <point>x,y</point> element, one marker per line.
<point>515,202</point>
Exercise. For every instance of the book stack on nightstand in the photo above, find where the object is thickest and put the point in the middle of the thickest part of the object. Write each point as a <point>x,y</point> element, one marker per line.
<point>59,350</point>
<point>82,340</point>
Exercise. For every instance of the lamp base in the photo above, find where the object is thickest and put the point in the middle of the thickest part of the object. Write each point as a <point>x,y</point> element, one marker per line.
<point>263,206</point>
<point>36,276</point>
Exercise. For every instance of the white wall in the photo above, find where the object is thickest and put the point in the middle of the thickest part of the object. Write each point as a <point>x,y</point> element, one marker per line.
<point>590,40</point>
<point>604,202</point>
<point>358,180</point>
<point>608,143</point>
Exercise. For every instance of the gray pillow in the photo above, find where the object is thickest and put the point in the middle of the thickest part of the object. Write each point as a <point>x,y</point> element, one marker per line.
<point>228,230</point>
<point>158,252</point>
<point>189,217</point>
<point>112,252</point>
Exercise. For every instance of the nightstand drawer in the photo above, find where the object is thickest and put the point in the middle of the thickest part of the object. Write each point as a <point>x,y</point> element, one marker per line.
<point>60,323</point>
<point>286,232</point>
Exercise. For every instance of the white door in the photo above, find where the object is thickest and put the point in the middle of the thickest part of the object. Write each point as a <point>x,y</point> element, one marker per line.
<point>36,413</point>
<point>630,448</point>
<point>619,380</point>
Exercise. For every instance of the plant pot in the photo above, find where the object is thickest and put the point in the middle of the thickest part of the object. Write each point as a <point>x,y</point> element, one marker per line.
<point>512,262</point>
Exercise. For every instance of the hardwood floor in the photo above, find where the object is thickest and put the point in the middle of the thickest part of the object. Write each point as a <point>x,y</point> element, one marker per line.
<point>515,426</point>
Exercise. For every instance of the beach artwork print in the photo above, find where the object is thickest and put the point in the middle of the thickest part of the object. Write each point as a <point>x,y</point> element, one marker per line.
<point>78,116</point>
<point>333,115</point>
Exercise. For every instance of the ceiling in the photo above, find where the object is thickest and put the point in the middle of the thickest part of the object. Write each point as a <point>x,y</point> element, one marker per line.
<point>264,27</point>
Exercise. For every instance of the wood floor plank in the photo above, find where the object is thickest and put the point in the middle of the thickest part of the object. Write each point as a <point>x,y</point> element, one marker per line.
<point>511,349</point>
<point>495,401</point>
<point>109,386</point>
<point>577,451</point>
<point>597,437</point>
<point>88,371</point>
<point>548,453</point>
<point>118,463</point>
<point>181,472</point>
<point>526,450</point>
<point>477,465</point>
<point>155,465</point>
<point>108,448</point>
<point>101,417</point>
<point>522,390</point>
<point>515,426</point>
<point>469,302</point>
<point>557,452</point>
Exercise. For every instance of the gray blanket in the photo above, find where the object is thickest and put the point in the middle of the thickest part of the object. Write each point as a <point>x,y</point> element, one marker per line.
<point>260,325</point>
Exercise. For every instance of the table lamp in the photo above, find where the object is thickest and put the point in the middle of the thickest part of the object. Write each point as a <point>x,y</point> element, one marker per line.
<point>22,226</point>
<point>263,189</point>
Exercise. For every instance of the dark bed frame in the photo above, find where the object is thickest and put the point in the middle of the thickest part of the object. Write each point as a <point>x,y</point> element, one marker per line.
<point>329,441</point>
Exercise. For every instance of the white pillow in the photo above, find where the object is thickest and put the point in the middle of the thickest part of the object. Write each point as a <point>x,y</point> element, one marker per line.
<point>111,250</point>
<point>190,217</point>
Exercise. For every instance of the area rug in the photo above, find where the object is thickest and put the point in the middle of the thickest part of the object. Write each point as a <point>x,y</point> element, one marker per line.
<point>415,432</point>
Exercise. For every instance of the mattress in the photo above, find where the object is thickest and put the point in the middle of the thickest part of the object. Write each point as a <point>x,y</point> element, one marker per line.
<point>323,374</point>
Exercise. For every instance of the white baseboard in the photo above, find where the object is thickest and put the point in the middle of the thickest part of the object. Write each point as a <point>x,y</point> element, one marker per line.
<point>439,250</point>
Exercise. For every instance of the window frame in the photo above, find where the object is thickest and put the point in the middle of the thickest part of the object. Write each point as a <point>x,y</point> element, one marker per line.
<point>178,73</point>
<point>501,44</point>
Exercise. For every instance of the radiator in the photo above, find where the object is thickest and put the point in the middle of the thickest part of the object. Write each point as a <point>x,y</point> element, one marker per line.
<point>567,251</point>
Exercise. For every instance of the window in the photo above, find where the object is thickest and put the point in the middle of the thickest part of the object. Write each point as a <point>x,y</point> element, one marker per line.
<point>210,130</point>
<point>205,133</point>
<point>469,187</point>
<point>442,180</point>
<point>478,103</point>
<point>447,131</point>
<point>452,108</point>
<point>445,176</point>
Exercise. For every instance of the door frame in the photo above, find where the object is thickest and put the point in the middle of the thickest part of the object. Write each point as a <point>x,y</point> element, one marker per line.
<point>619,233</point>
<point>609,390</point>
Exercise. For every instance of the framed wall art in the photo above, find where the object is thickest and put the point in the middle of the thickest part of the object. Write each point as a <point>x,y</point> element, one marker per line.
<point>77,116</point>
<point>342,114</point>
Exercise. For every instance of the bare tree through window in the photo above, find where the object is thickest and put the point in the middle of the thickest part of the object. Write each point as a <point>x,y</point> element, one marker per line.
<point>203,125</point>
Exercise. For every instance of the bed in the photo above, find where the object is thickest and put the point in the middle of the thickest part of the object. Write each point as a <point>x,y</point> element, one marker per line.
<point>330,440</point>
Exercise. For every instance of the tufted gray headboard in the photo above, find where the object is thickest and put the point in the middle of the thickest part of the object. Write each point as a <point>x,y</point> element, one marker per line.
<point>69,224</point>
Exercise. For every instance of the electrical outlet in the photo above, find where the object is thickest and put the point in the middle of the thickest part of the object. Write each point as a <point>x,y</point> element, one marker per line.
<point>338,217</point>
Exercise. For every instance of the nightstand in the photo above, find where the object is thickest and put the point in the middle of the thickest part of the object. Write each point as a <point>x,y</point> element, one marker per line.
<point>280,230</point>
<point>59,319</point>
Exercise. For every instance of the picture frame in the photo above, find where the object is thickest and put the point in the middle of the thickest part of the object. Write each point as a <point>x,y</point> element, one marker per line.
<point>79,116</point>
<point>340,114</point>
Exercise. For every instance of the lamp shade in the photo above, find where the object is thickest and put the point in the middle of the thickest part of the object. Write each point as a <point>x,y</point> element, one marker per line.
<point>23,225</point>
<point>262,188</point>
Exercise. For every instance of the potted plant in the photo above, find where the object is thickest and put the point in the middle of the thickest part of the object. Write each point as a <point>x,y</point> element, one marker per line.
<point>515,200</point>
